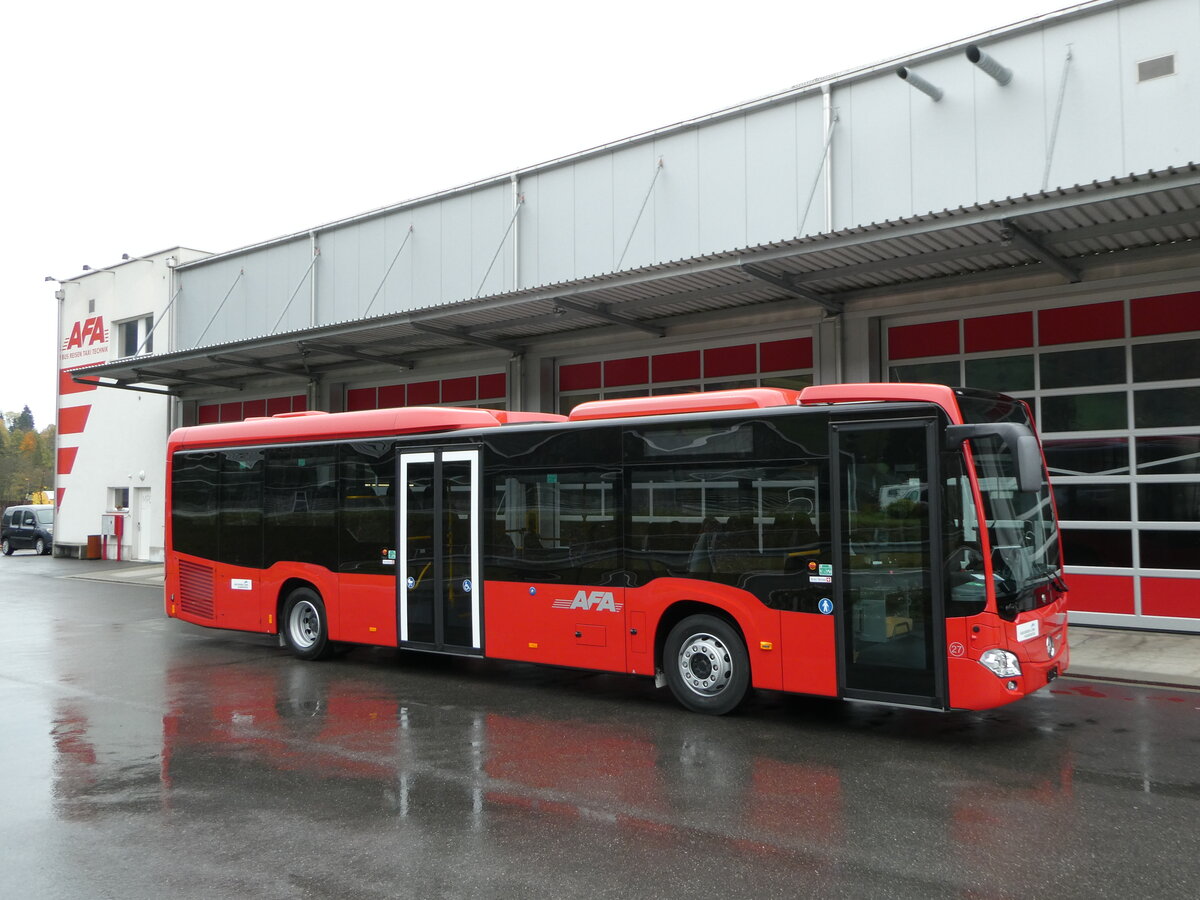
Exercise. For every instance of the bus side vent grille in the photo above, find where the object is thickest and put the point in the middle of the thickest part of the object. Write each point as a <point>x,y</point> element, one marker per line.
<point>195,589</point>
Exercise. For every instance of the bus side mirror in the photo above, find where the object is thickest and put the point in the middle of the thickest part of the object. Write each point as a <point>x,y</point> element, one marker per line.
<point>1019,441</point>
<point>1029,464</point>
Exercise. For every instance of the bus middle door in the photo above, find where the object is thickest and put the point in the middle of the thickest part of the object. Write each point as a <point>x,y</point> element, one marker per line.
<point>438,589</point>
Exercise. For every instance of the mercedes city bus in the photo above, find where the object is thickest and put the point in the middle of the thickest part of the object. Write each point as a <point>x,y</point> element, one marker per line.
<point>883,542</point>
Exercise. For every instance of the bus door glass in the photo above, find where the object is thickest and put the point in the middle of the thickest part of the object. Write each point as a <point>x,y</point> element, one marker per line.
<point>438,588</point>
<point>891,631</point>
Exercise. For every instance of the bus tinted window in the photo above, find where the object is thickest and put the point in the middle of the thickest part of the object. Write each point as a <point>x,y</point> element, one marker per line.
<point>539,448</point>
<point>774,437</point>
<point>554,525</point>
<point>301,505</point>
<point>979,407</point>
<point>754,527</point>
<point>194,503</point>
<point>367,507</point>
<point>240,517</point>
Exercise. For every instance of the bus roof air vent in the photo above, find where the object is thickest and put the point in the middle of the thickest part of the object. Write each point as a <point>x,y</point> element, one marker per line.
<point>671,404</point>
<point>882,392</point>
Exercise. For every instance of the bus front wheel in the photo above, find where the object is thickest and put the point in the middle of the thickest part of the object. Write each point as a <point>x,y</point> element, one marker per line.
<point>707,667</point>
<point>305,627</point>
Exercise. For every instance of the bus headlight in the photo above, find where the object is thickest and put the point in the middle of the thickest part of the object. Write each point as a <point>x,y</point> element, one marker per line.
<point>1001,663</point>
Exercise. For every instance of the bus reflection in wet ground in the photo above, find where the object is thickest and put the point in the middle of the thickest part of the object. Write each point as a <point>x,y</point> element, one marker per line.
<point>816,785</point>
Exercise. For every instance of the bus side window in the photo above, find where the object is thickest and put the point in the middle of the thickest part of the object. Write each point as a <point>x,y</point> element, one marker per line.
<point>240,535</point>
<point>737,523</point>
<point>558,525</point>
<point>194,496</point>
<point>300,505</point>
<point>366,507</point>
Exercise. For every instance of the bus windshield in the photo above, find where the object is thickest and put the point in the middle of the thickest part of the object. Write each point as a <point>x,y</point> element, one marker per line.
<point>1021,525</point>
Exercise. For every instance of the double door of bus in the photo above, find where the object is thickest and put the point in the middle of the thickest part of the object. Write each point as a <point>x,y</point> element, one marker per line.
<point>438,588</point>
<point>887,522</point>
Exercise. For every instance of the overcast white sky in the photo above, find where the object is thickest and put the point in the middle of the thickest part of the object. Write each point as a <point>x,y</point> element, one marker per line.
<point>132,127</point>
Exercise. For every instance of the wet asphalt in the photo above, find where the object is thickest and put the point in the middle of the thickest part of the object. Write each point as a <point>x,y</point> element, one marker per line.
<point>143,757</point>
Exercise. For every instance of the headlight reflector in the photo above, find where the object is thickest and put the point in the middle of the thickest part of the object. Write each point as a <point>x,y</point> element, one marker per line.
<point>1001,663</point>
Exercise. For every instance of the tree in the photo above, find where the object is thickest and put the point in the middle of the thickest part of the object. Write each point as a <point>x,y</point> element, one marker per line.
<point>7,460</point>
<point>26,457</point>
<point>23,421</point>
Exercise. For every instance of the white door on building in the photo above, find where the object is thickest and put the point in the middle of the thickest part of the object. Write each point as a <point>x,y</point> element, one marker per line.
<point>143,525</point>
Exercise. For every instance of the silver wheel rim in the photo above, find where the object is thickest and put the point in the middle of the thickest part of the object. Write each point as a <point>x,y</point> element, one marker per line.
<point>304,624</point>
<point>705,664</point>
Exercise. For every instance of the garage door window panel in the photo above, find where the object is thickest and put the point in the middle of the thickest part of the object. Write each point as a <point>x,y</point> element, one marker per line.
<point>1166,361</point>
<point>1172,549</point>
<point>1168,455</point>
<point>1082,368</point>
<point>1087,456</point>
<point>1167,408</point>
<point>927,373</point>
<point>1102,502</point>
<point>1085,412</point>
<point>1001,373</point>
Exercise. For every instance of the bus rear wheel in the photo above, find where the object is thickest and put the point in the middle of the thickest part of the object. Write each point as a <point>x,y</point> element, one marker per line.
<point>305,626</point>
<point>707,667</point>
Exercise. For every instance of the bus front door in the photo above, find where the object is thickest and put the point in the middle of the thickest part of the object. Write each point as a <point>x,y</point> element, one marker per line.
<point>438,590</point>
<point>891,644</point>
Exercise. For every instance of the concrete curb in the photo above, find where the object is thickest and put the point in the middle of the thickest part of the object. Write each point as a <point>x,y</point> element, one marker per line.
<point>1139,657</point>
<point>1144,657</point>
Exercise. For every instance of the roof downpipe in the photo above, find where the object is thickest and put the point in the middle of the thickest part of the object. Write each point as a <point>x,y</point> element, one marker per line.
<point>1002,75</point>
<point>929,90</point>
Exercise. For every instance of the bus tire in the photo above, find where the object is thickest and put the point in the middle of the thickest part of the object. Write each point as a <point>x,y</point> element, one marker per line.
<point>305,625</point>
<point>706,664</point>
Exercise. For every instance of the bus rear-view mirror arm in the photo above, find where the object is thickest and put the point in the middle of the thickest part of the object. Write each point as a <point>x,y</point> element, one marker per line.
<point>1020,443</point>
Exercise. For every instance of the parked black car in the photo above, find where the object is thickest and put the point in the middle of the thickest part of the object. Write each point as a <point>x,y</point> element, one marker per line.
<point>27,528</point>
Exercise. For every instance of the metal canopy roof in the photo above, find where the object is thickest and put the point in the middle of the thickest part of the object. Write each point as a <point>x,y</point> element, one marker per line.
<point>1066,235</point>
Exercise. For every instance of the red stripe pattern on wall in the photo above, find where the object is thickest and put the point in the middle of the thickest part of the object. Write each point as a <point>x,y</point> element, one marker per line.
<point>738,360</point>
<point>1008,332</point>
<point>67,386</point>
<point>73,419</point>
<point>488,389</point>
<point>1165,315</point>
<point>237,410</point>
<point>1075,324</point>
<point>926,339</point>
<point>1149,316</point>
<point>66,459</point>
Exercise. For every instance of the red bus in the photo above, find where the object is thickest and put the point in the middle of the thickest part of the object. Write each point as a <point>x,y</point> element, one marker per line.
<point>884,542</point>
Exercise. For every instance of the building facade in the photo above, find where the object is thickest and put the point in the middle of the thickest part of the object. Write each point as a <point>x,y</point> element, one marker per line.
<point>965,215</point>
<point>109,473</point>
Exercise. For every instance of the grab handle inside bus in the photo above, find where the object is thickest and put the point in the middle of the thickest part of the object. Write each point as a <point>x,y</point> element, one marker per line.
<point>1020,442</point>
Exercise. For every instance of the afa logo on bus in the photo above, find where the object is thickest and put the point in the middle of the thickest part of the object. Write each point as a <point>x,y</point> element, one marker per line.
<point>597,601</point>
